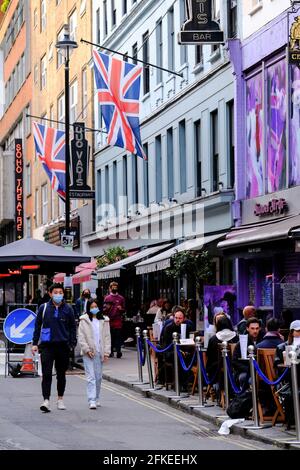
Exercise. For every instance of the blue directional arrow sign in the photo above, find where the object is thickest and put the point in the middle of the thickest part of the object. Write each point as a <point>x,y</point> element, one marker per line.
<point>19,325</point>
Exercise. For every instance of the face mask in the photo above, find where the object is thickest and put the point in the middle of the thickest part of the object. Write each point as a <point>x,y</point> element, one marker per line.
<point>57,298</point>
<point>94,311</point>
<point>86,296</point>
<point>114,291</point>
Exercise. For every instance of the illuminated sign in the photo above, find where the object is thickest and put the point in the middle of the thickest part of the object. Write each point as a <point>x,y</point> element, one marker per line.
<point>200,28</point>
<point>273,207</point>
<point>19,188</point>
<point>79,188</point>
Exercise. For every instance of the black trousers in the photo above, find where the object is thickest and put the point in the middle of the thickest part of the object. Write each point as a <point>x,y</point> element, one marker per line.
<point>58,354</point>
<point>116,339</point>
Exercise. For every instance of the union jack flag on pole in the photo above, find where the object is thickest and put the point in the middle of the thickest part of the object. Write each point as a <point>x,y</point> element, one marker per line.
<point>50,147</point>
<point>118,84</point>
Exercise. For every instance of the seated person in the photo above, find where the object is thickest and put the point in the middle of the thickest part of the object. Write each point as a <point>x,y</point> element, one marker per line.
<point>272,337</point>
<point>167,338</point>
<point>241,367</point>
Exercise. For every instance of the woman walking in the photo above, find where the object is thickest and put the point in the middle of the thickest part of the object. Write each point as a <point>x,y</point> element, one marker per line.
<point>95,343</point>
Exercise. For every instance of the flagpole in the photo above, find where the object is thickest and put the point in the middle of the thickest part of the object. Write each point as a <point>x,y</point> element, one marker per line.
<point>180,74</point>
<point>91,129</point>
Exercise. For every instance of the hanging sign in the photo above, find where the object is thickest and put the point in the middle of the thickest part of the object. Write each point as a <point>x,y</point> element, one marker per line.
<point>199,27</point>
<point>294,39</point>
<point>19,188</point>
<point>79,188</point>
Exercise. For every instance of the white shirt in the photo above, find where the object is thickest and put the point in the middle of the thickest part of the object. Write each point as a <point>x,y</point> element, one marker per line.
<point>96,331</point>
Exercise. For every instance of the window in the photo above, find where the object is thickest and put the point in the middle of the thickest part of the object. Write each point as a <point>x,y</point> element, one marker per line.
<point>170,161</point>
<point>98,39</point>
<point>43,15</point>
<point>216,17</point>
<point>115,180</point>
<point>44,204</point>
<point>28,179</point>
<point>51,115</point>
<point>183,49</point>
<point>82,7</point>
<point>182,153</point>
<point>215,150</point>
<point>73,26</point>
<point>105,30</point>
<point>146,176</point>
<point>51,49</point>
<point>158,159</point>
<point>73,101</point>
<point>113,13</point>
<point>171,39</point>
<point>60,56</point>
<point>159,50</point>
<point>135,184</point>
<point>36,74</point>
<point>197,147</point>
<point>146,71</point>
<point>37,207</point>
<point>99,195</point>
<point>198,54</point>
<point>22,72</point>
<point>134,53</point>
<point>125,183</point>
<point>84,93</point>
<point>106,184</point>
<point>27,121</point>
<point>28,227</point>
<point>35,18</point>
<point>231,149</point>
<point>43,72</point>
<point>61,111</point>
<point>124,7</point>
<point>232,18</point>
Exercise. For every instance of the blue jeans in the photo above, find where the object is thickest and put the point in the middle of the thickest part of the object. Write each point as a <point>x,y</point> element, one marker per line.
<point>93,374</point>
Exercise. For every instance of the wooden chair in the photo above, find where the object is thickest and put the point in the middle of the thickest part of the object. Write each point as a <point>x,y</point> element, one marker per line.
<point>265,360</point>
<point>210,393</point>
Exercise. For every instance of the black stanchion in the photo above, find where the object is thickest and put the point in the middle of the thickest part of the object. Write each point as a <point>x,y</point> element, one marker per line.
<point>139,355</point>
<point>148,359</point>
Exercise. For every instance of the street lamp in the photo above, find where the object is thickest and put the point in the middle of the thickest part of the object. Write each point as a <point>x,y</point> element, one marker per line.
<point>65,44</point>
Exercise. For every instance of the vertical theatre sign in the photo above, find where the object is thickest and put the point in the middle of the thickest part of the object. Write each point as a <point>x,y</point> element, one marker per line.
<point>19,218</point>
<point>79,188</point>
<point>200,28</point>
<point>294,39</point>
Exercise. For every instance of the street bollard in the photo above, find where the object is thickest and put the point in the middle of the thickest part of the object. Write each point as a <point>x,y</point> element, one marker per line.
<point>176,374</point>
<point>138,350</point>
<point>256,424</point>
<point>293,357</point>
<point>199,372</point>
<point>226,390</point>
<point>149,365</point>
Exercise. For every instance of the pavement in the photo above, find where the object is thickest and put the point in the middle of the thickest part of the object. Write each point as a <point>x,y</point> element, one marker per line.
<point>124,372</point>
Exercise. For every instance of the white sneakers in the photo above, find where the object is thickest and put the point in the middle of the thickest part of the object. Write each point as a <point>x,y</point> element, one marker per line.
<point>98,403</point>
<point>45,406</point>
<point>93,405</point>
<point>60,405</point>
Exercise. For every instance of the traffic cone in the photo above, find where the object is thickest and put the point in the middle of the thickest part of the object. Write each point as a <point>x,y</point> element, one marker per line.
<point>27,362</point>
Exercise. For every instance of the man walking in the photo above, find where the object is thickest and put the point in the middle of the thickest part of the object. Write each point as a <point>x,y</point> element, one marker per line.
<point>55,332</point>
<point>114,307</point>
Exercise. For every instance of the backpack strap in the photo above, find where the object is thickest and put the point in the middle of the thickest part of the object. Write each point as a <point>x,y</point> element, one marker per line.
<point>44,310</point>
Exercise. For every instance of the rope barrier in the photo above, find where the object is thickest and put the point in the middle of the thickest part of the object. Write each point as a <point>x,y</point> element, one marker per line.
<point>159,350</point>
<point>235,388</point>
<point>206,378</point>
<point>262,375</point>
<point>182,360</point>
<point>142,356</point>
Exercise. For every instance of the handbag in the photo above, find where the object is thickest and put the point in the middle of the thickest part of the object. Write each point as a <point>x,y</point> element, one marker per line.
<point>240,406</point>
<point>45,336</point>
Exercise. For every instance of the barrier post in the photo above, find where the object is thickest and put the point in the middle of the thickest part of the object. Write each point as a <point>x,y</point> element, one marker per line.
<point>293,357</point>
<point>149,365</point>
<point>256,424</point>
<point>199,372</point>
<point>225,354</point>
<point>176,373</point>
<point>138,350</point>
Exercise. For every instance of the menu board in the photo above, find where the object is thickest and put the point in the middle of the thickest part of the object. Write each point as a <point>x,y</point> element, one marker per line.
<point>290,295</point>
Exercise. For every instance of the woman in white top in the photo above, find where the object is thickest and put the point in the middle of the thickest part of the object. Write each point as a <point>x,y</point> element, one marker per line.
<point>95,343</point>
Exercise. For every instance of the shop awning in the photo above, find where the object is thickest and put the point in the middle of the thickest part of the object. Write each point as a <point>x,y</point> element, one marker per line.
<point>260,233</point>
<point>114,270</point>
<point>59,277</point>
<point>163,260</point>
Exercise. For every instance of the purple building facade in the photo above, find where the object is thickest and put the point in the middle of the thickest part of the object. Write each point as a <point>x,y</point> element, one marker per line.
<point>264,242</point>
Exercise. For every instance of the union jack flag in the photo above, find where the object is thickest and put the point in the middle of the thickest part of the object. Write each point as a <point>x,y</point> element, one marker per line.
<point>118,85</point>
<point>50,148</point>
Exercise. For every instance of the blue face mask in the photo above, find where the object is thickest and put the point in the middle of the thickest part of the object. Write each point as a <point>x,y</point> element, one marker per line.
<point>94,311</point>
<point>57,298</point>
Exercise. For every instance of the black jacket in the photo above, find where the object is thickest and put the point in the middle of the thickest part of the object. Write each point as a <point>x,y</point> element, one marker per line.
<point>60,320</point>
<point>214,362</point>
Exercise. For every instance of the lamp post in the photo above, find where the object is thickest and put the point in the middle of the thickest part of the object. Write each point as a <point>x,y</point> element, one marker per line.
<point>65,44</point>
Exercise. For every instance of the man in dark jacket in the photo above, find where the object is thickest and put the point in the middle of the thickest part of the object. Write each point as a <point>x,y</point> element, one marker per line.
<point>178,325</point>
<point>241,366</point>
<point>272,338</point>
<point>55,332</point>
<point>248,312</point>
